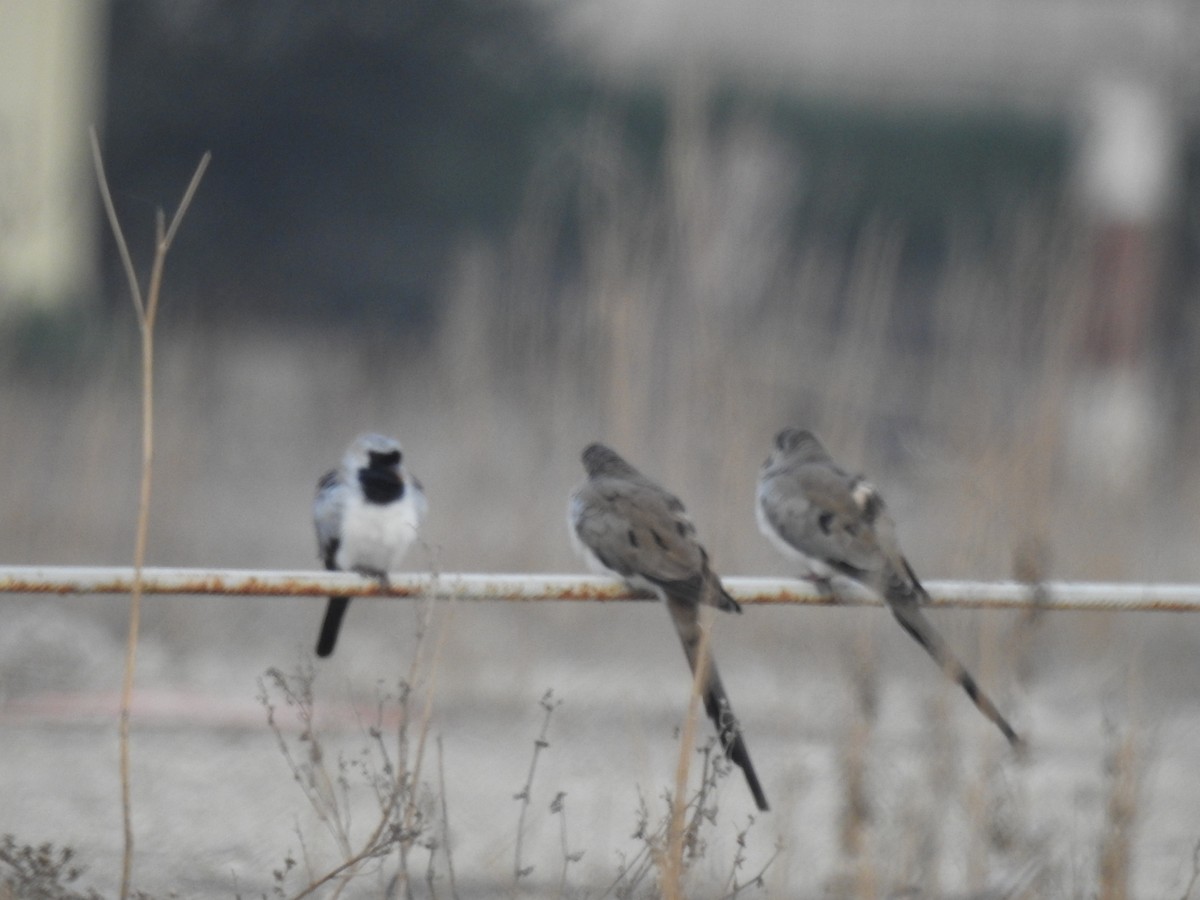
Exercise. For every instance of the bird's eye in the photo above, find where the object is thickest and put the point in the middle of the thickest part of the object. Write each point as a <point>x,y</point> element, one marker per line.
<point>383,460</point>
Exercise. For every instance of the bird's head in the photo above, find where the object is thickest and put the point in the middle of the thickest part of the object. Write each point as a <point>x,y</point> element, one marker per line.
<point>375,452</point>
<point>799,445</point>
<point>600,460</point>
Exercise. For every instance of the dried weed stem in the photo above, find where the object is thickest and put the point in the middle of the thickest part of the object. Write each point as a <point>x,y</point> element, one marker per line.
<point>147,313</point>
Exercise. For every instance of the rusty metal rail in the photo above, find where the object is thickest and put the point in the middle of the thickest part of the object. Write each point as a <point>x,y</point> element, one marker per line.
<point>484,587</point>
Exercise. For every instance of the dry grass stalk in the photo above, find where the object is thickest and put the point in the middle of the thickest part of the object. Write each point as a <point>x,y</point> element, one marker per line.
<point>671,861</point>
<point>857,815</point>
<point>548,704</point>
<point>446,821</point>
<point>147,313</point>
<point>1116,848</point>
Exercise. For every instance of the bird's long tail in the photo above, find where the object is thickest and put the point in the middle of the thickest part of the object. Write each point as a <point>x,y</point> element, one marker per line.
<point>333,621</point>
<point>685,615</point>
<point>904,597</point>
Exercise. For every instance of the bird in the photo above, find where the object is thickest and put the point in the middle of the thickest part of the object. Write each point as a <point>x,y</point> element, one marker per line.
<point>836,524</point>
<point>624,524</point>
<point>367,512</point>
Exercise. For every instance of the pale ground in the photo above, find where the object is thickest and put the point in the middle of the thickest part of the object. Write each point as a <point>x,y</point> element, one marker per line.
<point>216,808</point>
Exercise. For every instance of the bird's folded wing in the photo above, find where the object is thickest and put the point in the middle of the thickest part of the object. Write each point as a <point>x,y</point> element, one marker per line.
<point>328,507</point>
<point>813,510</point>
<point>640,536</point>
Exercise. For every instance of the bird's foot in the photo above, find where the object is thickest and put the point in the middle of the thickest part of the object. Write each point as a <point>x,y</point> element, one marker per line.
<point>380,577</point>
<point>822,583</point>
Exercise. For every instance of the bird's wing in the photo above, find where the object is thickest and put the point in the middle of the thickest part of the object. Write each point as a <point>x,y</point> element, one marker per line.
<point>328,507</point>
<point>636,531</point>
<point>814,508</point>
<point>418,496</point>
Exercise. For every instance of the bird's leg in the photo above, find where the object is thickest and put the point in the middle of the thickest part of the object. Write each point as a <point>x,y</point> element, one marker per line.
<point>822,583</point>
<point>381,578</point>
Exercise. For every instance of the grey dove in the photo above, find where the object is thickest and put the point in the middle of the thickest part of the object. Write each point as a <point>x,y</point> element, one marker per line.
<point>837,524</point>
<point>624,524</point>
<point>367,512</point>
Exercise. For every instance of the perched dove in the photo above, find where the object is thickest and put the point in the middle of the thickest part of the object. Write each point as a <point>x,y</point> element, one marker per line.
<point>837,524</point>
<point>624,524</point>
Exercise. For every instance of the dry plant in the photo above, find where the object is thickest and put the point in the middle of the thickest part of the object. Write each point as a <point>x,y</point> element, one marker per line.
<point>525,795</point>
<point>445,837</point>
<point>39,873</point>
<point>410,815</point>
<point>857,814</point>
<point>1116,843</point>
<point>558,806</point>
<point>699,815</point>
<point>670,862</point>
<point>329,785</point>
<point>676,841</point>
<point>147,313</point>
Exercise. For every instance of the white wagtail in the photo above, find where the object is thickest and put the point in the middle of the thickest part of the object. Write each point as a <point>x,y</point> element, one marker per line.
<point>367,512</point>
<point>836,524</point>
<point>624,524</point>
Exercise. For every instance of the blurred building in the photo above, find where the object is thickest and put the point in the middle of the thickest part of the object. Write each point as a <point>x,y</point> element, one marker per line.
<point>50,77</point>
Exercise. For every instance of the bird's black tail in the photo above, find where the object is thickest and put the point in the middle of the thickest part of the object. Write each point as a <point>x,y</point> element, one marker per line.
<point>904,599</point>
<point>333,621</point>
<point>716,702</point>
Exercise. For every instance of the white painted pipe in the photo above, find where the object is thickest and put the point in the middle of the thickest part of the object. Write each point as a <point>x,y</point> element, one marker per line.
<point>1052,595</point>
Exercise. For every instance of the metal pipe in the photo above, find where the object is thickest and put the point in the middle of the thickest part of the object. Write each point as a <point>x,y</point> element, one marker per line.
<point>1052,595</point>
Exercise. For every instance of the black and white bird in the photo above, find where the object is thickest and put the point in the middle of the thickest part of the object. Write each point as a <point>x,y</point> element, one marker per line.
<point>624,524</point>
<point>367,513</point>
<point>836,524</point>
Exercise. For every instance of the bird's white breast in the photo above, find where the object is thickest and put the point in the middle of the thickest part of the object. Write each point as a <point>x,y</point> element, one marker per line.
<point>375,537</point>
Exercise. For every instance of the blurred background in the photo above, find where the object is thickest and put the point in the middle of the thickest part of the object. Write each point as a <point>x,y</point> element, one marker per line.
<point>957,239</point>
